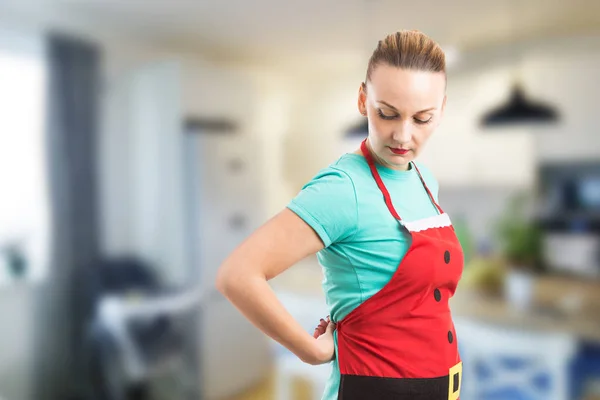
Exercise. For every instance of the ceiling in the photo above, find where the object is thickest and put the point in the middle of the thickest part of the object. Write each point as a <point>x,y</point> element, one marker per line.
<point>268,30</point>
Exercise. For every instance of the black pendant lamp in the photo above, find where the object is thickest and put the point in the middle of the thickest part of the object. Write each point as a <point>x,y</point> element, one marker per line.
<point>520,110</point>
<point>358,130</point>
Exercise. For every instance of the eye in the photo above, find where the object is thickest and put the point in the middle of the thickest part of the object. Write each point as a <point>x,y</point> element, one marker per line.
<point>423,122</point>
<point>385,115</point>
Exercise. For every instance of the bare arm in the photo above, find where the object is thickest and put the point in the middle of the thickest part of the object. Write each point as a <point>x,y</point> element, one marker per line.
<point>242,278</point>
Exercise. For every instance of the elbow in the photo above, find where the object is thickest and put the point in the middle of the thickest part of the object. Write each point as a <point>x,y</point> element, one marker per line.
<point>232,280</point>
<point>228,280</point>
<point>223,282</point>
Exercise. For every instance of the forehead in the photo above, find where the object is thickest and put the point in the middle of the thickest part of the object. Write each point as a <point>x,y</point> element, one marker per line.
<point>406,89</point>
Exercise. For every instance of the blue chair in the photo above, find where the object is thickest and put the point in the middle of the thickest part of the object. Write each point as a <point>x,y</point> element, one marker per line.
<point>586,371</point>
<point>138,329</point>
<point>501,363</point>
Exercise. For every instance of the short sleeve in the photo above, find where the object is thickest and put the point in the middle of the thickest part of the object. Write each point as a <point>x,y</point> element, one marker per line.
<point>328,204</point>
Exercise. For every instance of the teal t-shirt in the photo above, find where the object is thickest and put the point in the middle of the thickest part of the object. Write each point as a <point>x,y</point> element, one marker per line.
<point>363,242</point>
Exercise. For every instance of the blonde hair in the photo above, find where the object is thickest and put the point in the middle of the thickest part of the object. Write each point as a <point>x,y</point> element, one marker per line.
<point>408,49</point>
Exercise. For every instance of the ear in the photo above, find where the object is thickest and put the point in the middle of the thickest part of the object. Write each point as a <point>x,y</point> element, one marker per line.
<point>443,107</point>
<point>362,99</point>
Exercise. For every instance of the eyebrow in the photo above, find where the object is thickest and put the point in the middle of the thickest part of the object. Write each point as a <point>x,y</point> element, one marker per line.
<point>395,109</point>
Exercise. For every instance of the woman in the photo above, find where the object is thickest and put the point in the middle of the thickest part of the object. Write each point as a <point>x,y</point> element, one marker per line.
<point>390,258</point>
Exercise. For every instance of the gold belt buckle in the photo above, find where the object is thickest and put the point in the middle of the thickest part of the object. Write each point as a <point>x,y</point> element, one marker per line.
<point>454,381</point>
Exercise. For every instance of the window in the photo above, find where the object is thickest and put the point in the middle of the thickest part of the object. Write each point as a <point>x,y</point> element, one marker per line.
<point>24,206</point>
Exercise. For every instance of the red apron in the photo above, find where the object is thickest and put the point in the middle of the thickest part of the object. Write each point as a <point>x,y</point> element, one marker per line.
<point>401,343</point>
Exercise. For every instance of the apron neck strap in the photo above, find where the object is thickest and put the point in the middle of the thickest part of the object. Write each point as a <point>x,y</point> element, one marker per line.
<point>386,195</point>
<point>380,184</point>
<point>427,189</point>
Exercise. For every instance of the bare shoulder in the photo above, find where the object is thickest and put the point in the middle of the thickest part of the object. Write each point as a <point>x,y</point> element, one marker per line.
<point>277,245</point>
<point>287,228</point>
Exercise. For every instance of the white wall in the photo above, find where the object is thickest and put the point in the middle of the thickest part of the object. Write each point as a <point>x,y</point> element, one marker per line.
<point>16,342</point>
<point>23,190</point>
<point>141,167</point>
<point>202,89</point>
<point>567,73</point>
<point>269,126</point>
<point>558,71</point>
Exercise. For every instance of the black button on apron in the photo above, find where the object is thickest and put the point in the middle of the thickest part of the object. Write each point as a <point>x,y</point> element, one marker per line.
<point>437,294</point>
<point>450,337</point>
<point>447,257</point>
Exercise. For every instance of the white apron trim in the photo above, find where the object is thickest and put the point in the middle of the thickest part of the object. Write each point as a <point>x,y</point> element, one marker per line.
<point>437,221</point>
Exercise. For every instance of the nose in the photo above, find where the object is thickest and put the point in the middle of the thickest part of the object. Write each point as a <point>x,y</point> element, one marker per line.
<point>403,133</point>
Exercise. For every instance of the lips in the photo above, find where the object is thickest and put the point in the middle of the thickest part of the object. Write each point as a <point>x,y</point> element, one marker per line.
<point>399,151</point>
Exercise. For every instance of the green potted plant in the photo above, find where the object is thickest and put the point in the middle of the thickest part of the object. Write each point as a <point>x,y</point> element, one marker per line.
<point>520,243</point>
<point>14,257</point>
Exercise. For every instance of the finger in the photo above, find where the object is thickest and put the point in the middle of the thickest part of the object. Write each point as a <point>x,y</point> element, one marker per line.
<point>320,329</point>
<point>330,327</point>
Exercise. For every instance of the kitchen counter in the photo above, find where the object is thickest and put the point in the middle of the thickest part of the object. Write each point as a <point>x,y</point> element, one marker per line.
<point>560,304</point>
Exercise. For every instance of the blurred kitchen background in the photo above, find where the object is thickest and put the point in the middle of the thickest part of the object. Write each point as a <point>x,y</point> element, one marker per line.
<point>141,141</point>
